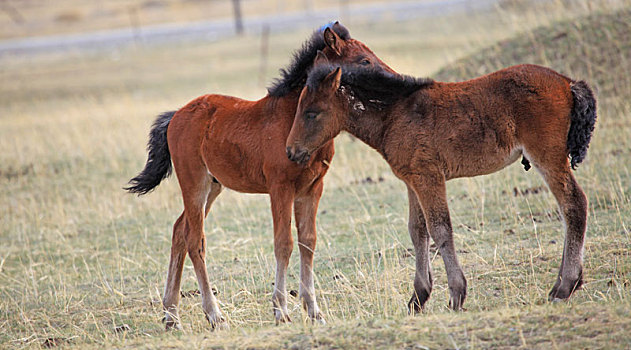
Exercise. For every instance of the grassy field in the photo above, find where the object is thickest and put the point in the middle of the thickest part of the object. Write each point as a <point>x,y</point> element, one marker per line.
<point>82,264</point>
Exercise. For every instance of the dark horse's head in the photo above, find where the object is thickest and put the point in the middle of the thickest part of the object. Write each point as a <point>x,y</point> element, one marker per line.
<point>342,49</point>
<point>333,94</point>
<point>319,117</point>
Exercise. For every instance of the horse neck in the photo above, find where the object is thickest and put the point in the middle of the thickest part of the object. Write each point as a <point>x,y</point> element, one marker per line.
<point>369,125</point>
<point>283,107</point>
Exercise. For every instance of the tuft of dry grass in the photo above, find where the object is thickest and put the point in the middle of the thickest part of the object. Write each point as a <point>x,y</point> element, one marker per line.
<point>82,264</point>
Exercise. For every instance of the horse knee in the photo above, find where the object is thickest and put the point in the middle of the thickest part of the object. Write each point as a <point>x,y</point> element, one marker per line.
<point>575,195</point>
<point>307,243</point>
<point>196,247</point>
<point>178,240</point>
<point>575,211</point>
<point>283,249</point>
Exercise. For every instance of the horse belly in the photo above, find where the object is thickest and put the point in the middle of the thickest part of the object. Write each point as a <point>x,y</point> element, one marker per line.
<point>468,165</point>
<point>483,148</point>
<point>234,165</point>
<point>237,179</point>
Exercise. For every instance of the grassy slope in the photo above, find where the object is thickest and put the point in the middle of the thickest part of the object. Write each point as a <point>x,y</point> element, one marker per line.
<point>595,49</point>
<point>78,257</point>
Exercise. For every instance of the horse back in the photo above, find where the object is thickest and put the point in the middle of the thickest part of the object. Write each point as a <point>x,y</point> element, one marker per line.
<point>481,125</point>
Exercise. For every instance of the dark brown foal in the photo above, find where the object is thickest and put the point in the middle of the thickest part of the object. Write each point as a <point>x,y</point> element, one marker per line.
<point>430,132</point>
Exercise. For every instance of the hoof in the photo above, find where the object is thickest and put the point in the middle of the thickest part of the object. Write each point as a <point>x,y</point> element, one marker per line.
<point>414,306</point>
<point>456,299</point>
<point>563,291</point>
<point>317,319</point>
<point>217,321</point>
<point>281,317</point>
<point>171,323</point>
<point>417,302</point>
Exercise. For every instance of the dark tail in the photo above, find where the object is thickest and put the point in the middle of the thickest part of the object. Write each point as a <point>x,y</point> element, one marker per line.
<point>158,165</point>
<point>582,121</point>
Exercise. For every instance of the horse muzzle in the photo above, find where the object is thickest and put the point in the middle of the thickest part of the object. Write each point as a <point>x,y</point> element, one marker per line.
<point>300,156</point>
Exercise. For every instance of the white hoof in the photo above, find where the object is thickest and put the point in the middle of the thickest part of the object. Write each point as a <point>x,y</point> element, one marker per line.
<point>217,321</point>
<point>281,317</point>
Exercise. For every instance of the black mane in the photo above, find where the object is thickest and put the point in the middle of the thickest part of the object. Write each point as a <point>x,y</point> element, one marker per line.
<point>372,86</point>
<point>294,76</point>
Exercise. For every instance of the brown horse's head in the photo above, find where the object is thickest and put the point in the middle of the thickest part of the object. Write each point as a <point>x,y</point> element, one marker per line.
<point>348,51</point>
<point>337,47</point>
<point>319,118</point>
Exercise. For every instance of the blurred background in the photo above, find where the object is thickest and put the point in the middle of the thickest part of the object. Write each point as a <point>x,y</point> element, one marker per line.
<point>82,81</point>
<point>189,47</point>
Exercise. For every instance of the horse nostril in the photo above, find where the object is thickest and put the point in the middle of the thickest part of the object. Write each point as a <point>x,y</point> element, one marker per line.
<point>301,156</point>
<point>305,157</point>
<point>289,153</point>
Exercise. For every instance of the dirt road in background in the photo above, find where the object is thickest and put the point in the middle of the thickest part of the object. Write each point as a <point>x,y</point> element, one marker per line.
<point>213,30</point>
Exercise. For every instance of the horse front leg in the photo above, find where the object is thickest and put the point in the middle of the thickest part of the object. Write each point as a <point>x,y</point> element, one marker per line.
<point>306,208</point>
<point>281,201</point>
<point>423,280</point>
<point>431,192</point>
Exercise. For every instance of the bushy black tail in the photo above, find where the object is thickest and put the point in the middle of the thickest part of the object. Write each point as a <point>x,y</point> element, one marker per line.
<point>582,121</point>
<point>158,165</point>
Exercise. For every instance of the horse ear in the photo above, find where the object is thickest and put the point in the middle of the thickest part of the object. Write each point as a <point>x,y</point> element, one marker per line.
<point>339,28</point>
<point>320,59</point>
<point>334,78</point>
<point>332,40</point>
<point>336,25</point>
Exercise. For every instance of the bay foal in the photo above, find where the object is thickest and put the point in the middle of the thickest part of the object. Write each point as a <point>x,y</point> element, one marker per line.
<point>430,132</point>
<point>216,141</point>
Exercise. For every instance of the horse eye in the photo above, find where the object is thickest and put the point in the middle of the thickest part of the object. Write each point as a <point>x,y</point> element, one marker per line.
<point>364,62</point>
<point>311,115</point>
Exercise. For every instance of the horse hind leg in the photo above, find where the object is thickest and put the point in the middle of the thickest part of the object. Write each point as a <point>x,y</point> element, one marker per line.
<point>573,206</point>
<point>572,202</point>
<point>215,190</point>
<point>176,264</point>
<point>198,198</point>
<point>171,297</point>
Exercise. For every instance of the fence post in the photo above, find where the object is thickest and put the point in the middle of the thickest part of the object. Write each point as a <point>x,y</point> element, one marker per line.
<point>238,22</point>
<point>264,53</point>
